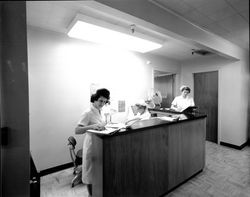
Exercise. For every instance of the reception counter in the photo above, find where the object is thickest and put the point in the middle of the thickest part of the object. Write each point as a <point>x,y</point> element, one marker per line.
<point>151,158</point>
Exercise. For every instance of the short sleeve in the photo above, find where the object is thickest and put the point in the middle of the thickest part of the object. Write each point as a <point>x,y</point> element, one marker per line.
<point>174,102</point>
<point>84,119</point>
<point>192,102</point>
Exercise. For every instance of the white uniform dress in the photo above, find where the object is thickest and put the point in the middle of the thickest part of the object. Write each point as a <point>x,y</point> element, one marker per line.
<point>183,103</point>
<point>89,117</point>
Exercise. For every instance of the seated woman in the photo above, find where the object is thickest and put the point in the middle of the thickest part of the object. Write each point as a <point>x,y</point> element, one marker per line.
<point>183,101</point>
<point>136,112</point>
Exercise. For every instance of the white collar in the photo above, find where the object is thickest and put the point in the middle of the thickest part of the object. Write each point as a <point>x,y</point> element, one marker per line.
<point>95,110</point>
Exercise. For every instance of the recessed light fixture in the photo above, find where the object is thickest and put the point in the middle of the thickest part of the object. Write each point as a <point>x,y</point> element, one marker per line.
<point>101,32</point>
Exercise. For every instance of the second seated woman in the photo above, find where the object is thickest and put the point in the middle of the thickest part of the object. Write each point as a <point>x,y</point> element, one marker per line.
<point>183,101</point>
<point>139,111</point>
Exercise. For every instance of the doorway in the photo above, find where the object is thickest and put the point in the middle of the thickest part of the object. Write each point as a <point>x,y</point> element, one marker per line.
<point>165,83</point>
<point>206,98</point>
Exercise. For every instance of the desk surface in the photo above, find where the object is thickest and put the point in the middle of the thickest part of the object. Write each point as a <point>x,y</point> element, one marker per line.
<point>156,122</point>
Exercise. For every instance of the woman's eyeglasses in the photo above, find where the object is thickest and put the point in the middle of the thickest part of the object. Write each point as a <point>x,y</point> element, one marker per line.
<point>103,101</point>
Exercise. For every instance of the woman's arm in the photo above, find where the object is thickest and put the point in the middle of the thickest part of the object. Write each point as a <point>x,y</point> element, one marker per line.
<point>80,129</point>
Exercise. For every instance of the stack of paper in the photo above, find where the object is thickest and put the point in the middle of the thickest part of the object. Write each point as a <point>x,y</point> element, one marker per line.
<point>109,129</point>
<point>167,118</point>
<point>115,125</point>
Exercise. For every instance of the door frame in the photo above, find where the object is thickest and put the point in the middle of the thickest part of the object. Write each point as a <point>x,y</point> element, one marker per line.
<point>14,149</point>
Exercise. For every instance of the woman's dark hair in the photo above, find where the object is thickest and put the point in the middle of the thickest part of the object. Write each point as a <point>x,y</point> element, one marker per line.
<point>100,92</point>
<point>140,106</point>
<point>186,88</point>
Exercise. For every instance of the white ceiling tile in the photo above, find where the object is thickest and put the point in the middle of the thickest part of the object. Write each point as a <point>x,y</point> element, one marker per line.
<point>198,18</point>
<point>195,3</point>
<point>217,12</point>
<point>216,29</point>
<point>239,5</point>
<point>245,14</point>
<point>177,6</point>
<point>183,8</point>
<point>213,4</point>
<point>235,22</point>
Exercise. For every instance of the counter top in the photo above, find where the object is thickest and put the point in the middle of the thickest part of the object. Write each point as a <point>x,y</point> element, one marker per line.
<point>158,121</point>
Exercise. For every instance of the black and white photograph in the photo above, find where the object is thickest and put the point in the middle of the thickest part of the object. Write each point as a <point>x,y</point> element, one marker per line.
<point>124,98</point>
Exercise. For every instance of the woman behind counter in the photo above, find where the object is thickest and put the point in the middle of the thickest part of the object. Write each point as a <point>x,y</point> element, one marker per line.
<point>91,119</point>
<point>136,112</point>
<point>183,101</point>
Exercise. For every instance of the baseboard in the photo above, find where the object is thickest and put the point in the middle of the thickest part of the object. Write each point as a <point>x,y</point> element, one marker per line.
<point>234,146</point>
<point>56,169</point>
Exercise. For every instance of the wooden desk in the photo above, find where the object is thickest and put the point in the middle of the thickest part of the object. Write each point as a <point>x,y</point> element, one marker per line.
<point>150,159</point>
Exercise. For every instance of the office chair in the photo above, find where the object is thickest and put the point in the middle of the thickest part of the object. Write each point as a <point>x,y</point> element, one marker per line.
<point>77,161</point>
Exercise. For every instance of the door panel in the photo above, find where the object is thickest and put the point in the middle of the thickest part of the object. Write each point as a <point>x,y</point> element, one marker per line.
<point>14,100</point>
<point>206,98</point>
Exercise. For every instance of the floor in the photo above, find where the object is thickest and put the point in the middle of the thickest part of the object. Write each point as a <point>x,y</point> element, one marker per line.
<point>226,174</point>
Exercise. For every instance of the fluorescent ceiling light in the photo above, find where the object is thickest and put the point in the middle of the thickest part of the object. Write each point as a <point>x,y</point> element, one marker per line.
<point>100,33</point>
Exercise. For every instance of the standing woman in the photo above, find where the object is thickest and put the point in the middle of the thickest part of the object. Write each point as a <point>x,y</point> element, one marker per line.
<point>184,100</point>
<point>91,119</point>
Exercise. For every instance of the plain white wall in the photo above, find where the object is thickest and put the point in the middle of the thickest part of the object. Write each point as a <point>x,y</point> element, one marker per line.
<point>232,95</point>
<point>61,71</point>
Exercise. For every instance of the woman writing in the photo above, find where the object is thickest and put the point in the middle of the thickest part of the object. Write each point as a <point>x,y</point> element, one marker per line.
<point>139,111</point>
<point>91,119</point>
<point>183,101</point>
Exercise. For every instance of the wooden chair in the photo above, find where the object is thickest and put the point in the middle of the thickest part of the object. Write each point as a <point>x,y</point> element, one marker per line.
<point>77,161</point>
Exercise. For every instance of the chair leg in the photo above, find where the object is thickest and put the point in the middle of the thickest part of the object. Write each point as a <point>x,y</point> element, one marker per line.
<point>77,179</point>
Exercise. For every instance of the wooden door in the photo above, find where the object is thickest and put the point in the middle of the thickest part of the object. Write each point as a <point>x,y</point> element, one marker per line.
<point>15,155</point>
<point>165,85</point>
<point>206,98</point>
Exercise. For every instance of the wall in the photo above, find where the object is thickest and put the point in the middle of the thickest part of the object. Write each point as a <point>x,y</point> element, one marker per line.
<point>233,95</point>
<point>61,71</point>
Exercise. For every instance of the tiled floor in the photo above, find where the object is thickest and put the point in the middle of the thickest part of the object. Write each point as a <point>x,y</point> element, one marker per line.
<point>226,174</point>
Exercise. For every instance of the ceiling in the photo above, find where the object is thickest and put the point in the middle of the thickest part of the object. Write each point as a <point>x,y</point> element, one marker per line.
<point>57,15</point>
<point>226,18</point>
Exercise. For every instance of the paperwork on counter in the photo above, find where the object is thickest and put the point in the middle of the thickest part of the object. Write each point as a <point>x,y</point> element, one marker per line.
<point>167,118</point>
<point>110,129</point>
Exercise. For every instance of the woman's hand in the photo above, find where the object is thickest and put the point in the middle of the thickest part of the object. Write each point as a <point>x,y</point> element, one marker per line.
<point>99,127</point>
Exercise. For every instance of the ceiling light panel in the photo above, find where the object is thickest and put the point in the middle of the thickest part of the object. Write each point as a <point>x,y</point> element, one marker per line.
<point>101,32</point>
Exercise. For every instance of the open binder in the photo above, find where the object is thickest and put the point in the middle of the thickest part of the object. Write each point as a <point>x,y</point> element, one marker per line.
<point>189,109</point>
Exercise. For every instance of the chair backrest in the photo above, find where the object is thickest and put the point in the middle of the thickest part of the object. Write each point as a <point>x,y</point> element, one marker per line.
<point>72,141</point>
<point>72,145</point>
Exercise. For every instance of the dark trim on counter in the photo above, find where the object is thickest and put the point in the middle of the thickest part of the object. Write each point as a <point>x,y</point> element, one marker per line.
<point>234,146</point>
<point>56,169</point>
<point>181,183</point>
